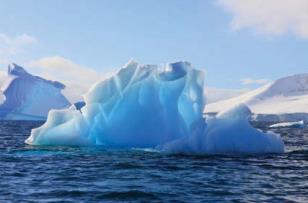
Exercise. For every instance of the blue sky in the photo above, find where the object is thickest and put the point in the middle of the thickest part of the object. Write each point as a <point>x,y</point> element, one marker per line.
<point>237,48</point>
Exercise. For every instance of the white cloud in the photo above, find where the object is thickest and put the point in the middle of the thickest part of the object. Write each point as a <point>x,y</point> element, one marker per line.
<point>13,45</point>
<point>59,68</point>
<point>4,61</point>
<point>76,77</point>
<point>13,48</point>
<point>3,75</point>
<point>273,17</point>
<point>251,81</point>
<point>218,94</point>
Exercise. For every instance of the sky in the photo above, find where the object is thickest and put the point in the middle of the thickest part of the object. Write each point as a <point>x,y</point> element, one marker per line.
<point>240,44</point>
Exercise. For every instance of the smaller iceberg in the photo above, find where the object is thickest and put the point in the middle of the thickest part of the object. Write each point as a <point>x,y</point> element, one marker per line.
<point>147,106</point>
<point>296,124</point>
<point>29,97</point>
<point>228,133</point>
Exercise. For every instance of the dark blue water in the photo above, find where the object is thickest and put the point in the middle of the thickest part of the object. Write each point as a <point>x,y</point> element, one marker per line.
<point>66,174</point>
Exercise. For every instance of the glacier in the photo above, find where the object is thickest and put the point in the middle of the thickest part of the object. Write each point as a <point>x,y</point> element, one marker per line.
<point>29,97</point>
<point>283,100</point>
<point>150,106</point>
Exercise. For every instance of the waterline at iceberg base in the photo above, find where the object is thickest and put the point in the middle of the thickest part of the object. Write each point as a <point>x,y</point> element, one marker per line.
<point>147,106</point>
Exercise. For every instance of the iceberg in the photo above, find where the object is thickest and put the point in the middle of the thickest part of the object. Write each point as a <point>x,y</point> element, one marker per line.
<point>228,133</point>
<point>295,124</point>
<point>150,106</point>
<point>29,97</point>
<point>140,106</point>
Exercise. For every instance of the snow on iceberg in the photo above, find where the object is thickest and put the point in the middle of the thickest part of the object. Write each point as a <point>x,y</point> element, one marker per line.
<point>29,97</point>
<point>151,106</point>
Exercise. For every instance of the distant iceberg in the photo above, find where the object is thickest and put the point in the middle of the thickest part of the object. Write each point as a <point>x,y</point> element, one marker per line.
<point>158,107</point>
<point>296,124</point>
<point>29,97</point>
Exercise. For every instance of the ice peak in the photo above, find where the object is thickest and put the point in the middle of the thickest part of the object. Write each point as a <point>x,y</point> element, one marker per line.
<point>130,63</point>
<point>14,69</point>
<point>239,111</point>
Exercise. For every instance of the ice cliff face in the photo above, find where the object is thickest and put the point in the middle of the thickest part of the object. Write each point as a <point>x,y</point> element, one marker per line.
<point>140,106</point>
<point>157,107</point>
<point>29,97</point>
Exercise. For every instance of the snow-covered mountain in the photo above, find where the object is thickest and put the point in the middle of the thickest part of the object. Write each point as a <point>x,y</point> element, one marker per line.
<point>288,95</point>
<point>28,97</point>
<point>218,94</point>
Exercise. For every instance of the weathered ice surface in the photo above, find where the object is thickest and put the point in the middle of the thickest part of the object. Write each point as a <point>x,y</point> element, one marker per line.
<point>157,107</point>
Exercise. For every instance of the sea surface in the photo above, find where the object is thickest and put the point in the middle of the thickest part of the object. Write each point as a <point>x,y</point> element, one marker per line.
<point>71,174</point>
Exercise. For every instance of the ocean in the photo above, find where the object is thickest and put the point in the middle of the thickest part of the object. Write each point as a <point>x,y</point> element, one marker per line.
<point>78,174</point>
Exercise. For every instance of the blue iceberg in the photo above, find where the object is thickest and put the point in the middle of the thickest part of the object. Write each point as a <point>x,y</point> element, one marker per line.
<point>146,106</point>
<point>29,97</point>
<point>228,133</point>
